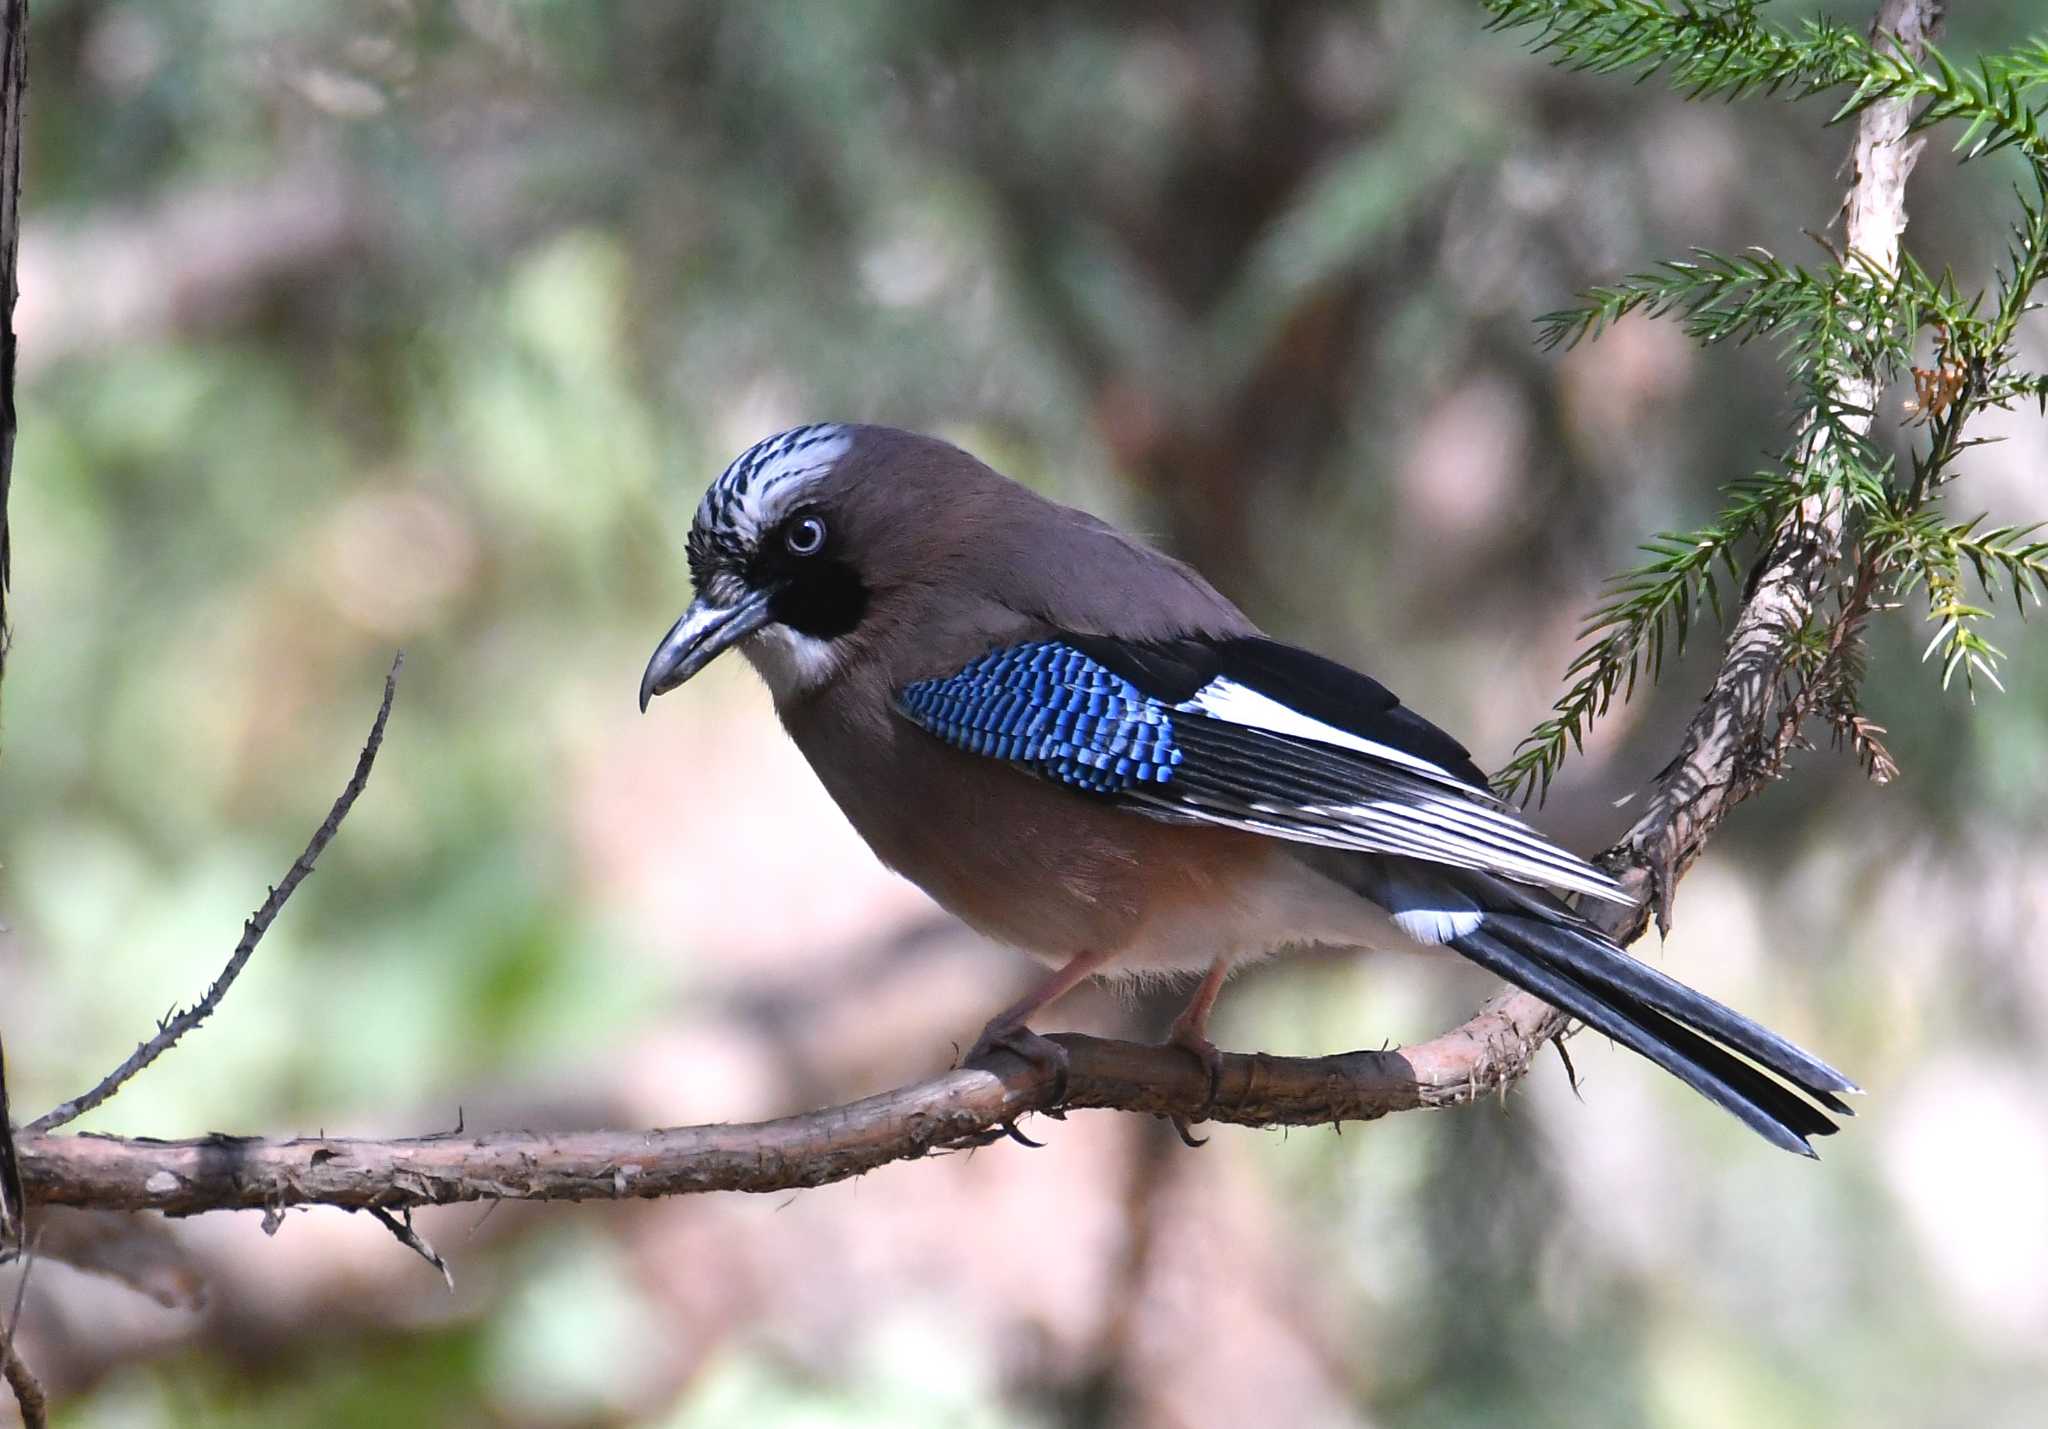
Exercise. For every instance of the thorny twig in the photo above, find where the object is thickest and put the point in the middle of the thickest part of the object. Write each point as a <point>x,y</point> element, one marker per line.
<point>176,1026</point>
<point>401,1227</point>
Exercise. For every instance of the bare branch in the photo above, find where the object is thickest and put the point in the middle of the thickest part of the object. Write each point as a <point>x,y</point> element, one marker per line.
<point>259,923</point>
<point>958,1109</point>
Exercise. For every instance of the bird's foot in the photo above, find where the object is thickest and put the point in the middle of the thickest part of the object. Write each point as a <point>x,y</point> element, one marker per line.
<point>1204,1052</point>
<point>1041,1052</point>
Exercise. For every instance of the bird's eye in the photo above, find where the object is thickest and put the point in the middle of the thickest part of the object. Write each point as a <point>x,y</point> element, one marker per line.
<point>805,537</point>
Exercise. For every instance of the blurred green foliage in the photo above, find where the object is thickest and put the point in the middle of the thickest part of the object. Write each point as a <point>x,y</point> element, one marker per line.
<point>422,323</point>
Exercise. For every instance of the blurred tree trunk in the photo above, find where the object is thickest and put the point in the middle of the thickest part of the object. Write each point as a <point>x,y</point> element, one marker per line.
<point>13,85</point>
<point>1205,440</point>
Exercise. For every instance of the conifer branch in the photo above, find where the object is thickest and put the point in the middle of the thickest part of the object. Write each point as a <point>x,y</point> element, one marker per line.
<point>1849,330</point>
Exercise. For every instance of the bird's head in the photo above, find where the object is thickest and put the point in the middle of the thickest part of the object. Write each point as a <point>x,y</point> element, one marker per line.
<point>772,559</point>
<point>816,537</point>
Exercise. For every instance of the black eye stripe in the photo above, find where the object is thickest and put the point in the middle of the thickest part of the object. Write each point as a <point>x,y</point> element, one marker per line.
<point>814,589</point>
<point>823,599</point>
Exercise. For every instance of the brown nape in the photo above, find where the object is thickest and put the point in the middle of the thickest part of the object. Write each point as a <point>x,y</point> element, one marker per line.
<point>945,542</point>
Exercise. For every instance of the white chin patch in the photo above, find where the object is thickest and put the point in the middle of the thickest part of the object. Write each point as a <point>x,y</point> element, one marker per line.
<point>791,662</point>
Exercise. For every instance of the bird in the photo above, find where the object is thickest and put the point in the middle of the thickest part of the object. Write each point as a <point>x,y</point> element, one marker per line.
<point>1079,747</point>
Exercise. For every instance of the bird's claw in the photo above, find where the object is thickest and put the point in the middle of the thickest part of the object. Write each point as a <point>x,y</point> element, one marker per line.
<point>1010,1130</point>
<point>1211,1059</point>
<point>1040,1052</point>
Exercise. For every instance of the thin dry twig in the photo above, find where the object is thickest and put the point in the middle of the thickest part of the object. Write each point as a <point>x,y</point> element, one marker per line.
<point>28,1390</point>
<point>172,1028</point>
<point>28,1264</point>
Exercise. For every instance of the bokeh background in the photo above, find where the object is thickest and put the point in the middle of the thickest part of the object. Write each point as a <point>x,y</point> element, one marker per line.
<point>423,323</point>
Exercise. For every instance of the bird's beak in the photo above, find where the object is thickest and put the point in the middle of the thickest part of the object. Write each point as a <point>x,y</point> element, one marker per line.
<point>704,632</point>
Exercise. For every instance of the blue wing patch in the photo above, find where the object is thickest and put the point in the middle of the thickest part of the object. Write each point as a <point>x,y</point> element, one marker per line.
<point>1050,706</point>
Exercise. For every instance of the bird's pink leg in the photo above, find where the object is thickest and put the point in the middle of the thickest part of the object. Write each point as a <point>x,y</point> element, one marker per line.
<point>1191,1032</point>
<point>1007,1030</point>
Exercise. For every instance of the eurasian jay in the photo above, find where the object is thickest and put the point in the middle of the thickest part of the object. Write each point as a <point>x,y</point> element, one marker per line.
<point>1080,748</point>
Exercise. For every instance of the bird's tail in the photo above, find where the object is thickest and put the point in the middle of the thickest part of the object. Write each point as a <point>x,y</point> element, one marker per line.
<point>1578,971</point>
<point>1540,945</point>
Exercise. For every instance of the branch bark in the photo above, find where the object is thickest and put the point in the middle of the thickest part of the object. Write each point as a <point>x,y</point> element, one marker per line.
<point>1729,751</point>
<point>958,1110</point>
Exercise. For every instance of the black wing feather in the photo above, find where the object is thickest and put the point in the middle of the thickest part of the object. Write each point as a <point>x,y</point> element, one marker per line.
<point>1322,689</point>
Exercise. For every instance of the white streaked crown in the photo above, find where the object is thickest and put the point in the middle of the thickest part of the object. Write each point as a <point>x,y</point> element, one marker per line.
<point>766,480</point>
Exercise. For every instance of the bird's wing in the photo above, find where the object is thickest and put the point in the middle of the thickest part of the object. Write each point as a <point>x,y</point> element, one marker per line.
<point>1247,733</point>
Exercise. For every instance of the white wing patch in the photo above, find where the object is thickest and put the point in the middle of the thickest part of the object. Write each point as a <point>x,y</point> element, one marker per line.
<point>1225,699</point>
<point>1437,925</point>
<point>1358,793</point>
<point>1423,907</point>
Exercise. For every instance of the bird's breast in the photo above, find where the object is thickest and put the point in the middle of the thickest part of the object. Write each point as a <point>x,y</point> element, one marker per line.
<point>1045,868</point>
